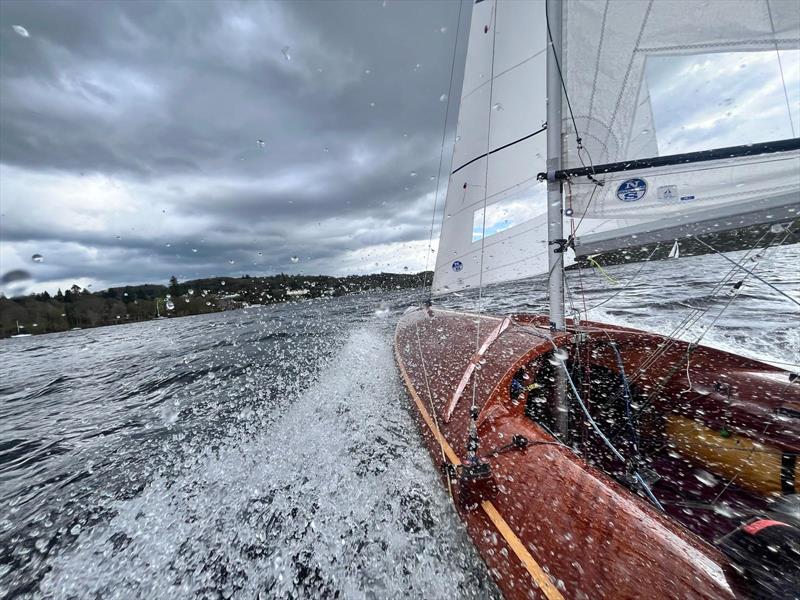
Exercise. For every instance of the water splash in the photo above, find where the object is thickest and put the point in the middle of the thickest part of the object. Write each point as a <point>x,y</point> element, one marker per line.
<point>272,509</point>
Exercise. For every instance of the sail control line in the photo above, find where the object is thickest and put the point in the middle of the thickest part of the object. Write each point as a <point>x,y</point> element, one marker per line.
<point>476,358</point>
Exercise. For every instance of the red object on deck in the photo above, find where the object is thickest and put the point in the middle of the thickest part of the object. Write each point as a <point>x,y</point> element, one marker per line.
<point>559,527</point>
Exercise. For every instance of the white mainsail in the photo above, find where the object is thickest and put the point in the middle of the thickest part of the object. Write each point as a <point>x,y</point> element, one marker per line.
<point>611,49</point>
<point>507,39</point>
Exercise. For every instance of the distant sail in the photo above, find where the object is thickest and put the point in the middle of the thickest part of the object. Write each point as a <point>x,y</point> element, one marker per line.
<point>676,251</point>
<point>514,227</point>
<point>623,59</point>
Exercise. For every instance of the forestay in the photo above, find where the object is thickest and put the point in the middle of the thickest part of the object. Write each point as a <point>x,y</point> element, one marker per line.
<point>635,74</point>
<point>501,127</point>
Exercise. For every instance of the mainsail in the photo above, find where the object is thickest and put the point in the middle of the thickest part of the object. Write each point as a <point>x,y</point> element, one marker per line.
<point>625,58</point>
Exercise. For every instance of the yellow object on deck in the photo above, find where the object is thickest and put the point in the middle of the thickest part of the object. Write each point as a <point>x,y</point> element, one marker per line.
<point>754,466</point>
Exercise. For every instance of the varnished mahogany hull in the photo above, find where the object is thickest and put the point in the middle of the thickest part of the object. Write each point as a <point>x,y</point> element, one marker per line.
<point>560,528</point>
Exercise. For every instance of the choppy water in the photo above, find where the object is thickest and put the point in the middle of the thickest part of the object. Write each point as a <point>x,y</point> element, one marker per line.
<point>271,451</point>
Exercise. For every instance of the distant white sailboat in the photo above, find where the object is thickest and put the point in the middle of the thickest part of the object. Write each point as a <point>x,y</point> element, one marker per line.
<point>676,251</point>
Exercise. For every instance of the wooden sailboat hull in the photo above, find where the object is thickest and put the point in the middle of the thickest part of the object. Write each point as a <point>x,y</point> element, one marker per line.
<point>559,527</point>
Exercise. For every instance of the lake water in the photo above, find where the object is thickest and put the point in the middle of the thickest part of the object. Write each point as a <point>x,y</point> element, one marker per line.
<point>271,451</point>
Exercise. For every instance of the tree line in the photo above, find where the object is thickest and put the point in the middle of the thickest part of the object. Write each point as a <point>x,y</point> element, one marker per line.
<point>77,307</point>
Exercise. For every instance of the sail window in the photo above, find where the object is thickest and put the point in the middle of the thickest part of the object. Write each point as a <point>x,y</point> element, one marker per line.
<point>510,212</point>
<point>714,100</point>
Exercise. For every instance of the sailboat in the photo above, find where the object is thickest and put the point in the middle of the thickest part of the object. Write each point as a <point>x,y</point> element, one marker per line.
<point>675,252</point>
<point>589,460</point>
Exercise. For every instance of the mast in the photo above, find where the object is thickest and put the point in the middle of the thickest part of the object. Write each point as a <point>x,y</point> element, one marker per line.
<point>555,227</point>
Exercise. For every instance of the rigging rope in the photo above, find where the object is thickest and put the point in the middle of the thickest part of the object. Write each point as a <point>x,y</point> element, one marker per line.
<point>692,345</point>
<point>429,251</point>
<point>602,270</point>
<point>689,320</point>
<point>627,283</point>
<point>748,271</point>
<point>578,137</point>
<point>433,408</point>
<point>473,408</point>
<point>602,436</point>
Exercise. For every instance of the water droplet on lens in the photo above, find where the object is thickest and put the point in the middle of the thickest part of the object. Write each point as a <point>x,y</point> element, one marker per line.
<point>443,98</point>
<point>194,250</point>
<point>705,478</point>
<point>382,310</point>
<point>20,30</point>
<point>295,259</point>
<point>76,529</point>
<point>285,52</point>
<point>442,29</point>
<point>231,261</point>
<point>372,104</point>
<point>37,258</point>
<point>497,106</point>
<point>170,305</point>
<point>260,143</point>
<point>413,174</point>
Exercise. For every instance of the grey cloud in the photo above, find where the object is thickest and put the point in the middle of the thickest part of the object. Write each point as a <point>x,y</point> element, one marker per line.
<point>152,93</point>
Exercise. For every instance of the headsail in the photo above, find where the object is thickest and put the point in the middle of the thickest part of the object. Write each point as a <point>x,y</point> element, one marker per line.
<point>502,125</point>
<point>635,74</point>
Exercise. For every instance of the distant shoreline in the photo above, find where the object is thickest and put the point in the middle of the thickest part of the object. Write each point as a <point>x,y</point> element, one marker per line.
<point>79,308</point>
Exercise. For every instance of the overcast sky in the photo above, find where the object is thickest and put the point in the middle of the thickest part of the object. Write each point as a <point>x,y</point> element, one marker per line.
<point>130,137</point>
<point>140,140</point>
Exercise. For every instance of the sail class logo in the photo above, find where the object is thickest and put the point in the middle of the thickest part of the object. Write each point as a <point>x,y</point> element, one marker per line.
<point>632,190</point>
<point>457,266</point>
